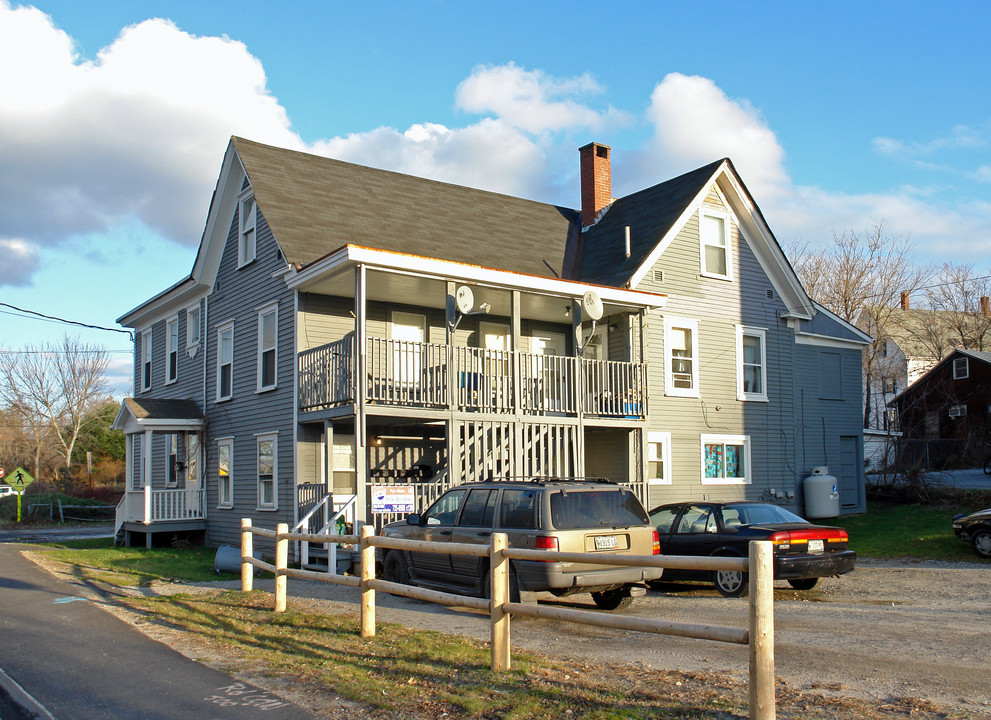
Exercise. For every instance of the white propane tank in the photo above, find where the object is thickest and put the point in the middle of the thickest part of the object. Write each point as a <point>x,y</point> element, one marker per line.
<point>822,495</point>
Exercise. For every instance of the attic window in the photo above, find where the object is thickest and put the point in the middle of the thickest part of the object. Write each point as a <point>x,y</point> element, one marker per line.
<point>960,368</point>
<point>714,244</point>
<point>247,217</point>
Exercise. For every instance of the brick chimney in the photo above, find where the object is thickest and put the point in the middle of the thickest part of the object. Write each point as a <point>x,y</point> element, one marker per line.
<point>905,302</point>
<point>596,180</point>
<point>985,305</point>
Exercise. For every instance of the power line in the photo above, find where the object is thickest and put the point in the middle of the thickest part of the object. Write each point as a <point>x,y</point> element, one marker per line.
<point>53,318</point>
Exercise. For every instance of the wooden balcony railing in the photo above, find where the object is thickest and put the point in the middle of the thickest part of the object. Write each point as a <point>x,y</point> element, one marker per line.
<point>417,374</point>
<point>149,506</point>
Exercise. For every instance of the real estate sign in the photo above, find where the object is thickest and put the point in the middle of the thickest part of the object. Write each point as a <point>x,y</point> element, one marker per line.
<point>392,499</point>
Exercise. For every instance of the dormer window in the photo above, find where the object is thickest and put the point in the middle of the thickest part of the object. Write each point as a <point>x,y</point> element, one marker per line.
<point>714,244</point>
<point>247,217</point>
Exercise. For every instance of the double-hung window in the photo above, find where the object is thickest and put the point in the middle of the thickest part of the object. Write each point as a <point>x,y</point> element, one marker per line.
<point>172,460</point>
<point>225,361</point>
<point>225,472</point>
<point>659,458</point>
<point>714,244</point>
<point>960,368</point>
<point>172,350</point>
<point>268,477</point>
<point>146,359</point>
<point>681,361</point>
<point>246,239</point>
<point>751,363</point>
<point>268,325</point>
<point>725,459</point>
<point>192,328</point>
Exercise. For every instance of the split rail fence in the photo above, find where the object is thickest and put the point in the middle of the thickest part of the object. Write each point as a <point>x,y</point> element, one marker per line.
<point>758,636</point>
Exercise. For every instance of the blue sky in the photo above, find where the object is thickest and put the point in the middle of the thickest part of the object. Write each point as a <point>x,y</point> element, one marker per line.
<point>114,117</point>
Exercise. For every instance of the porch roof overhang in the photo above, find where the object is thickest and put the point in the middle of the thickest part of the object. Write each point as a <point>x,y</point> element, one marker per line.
<point>402,276</point>
<point>137,415</point>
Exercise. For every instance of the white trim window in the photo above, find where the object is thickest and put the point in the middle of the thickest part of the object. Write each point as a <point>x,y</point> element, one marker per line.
<point>247,241</point>
<point>751,363</point>
<point>715,248</point>
<point>225,472</point>
<point>725,459</point>
<point>961,368</point>
<point>225,361</point>
<point>146,359</point>
<point>172,350</point>
<point>681,357</point>
<point>658,458</point>
<point>268,339</point>
<point>268,471</point>
<point>192,328</point>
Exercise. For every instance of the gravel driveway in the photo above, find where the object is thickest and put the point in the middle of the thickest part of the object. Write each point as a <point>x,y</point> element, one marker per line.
<point>888,630</point>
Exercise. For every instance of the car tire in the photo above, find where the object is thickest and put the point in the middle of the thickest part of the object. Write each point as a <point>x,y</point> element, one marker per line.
<point>980,540</point>
<point>395,569</point>
<point>618,599</point>
<point>514,586</point>
<point>731,583</point>
<point>803,583</point>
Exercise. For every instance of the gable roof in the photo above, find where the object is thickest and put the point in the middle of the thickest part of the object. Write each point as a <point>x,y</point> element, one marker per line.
<point>912,330</point>
<point>315,205</point>
<point>650,215</point>
<point>921,383</point>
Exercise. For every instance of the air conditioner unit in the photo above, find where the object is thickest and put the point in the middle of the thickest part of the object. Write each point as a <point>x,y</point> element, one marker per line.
<point>958,411</point>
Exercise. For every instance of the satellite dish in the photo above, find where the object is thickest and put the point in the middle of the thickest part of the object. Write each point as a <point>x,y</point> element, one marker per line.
<point>592,305</point>
<point>464,298</point>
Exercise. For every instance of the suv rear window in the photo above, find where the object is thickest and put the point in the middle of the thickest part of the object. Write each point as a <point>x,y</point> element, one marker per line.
<point>574,509</point>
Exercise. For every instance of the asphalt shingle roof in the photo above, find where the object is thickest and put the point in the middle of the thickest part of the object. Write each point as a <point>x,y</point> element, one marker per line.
<point>157,409</point>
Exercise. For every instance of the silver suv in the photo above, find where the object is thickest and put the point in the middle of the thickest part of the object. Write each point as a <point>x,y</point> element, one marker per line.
<point>589,516</point>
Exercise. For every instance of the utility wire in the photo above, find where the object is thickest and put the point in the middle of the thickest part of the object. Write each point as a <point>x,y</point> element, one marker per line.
<point>53,318</point>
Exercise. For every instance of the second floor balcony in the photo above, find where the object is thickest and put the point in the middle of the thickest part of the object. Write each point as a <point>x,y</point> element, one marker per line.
<point>413,374</point>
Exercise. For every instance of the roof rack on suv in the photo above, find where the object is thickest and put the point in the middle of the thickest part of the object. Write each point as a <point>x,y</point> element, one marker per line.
<point>543,479</point>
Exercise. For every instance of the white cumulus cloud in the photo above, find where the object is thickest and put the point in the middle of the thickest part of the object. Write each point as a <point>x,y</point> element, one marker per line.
<point>18,262</point>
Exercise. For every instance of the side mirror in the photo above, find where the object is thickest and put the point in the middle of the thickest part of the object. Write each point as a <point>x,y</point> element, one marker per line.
<point>413,519</point>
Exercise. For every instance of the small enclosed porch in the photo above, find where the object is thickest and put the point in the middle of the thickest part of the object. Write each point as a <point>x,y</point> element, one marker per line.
<point>165,497</point>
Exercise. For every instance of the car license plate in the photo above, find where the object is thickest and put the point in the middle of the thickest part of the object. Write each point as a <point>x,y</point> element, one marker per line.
<point>606,542</point>
<point>815,546</point>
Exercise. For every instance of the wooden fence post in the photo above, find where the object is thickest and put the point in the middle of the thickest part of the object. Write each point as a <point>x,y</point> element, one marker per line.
<point>247,570</point>
<point>281,562</point>
<point>367,574</point>
<point>499,591</point>
<point>762,704</point>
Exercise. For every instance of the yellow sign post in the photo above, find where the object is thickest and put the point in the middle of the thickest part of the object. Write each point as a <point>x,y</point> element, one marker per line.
<point>19,480</point>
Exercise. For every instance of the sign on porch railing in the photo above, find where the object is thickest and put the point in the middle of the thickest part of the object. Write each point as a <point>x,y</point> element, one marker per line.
<point>392,499</point>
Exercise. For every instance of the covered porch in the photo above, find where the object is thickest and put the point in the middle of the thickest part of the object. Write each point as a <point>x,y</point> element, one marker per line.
<point>165,495</point>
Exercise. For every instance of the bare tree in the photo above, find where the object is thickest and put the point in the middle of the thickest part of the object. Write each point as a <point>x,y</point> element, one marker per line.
<point>860,277</point>
<point>957,316</point>
<point>57,383</point>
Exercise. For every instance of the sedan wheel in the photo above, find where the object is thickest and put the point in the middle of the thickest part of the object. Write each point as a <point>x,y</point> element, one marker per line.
<point>618,599</point>
<point>981,540</point>
<point>803,583</point>
<point>731,583</point>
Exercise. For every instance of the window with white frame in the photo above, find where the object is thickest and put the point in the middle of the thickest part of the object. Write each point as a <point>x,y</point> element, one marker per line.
<point>714,243</point>
<point>225,472</point>
<point>751,368</point>
<point>725,459</point>
<point>225,361</point>
<point>268,324</point>
<point>246,239</point>
<point>192,327</point>
<point>268,477</point>
<point>659,458</point>
<point>172,350</point>
<point>192,458</point>
<point>681,350</point>
<point>961,369</point>
<point>172,460</point>
<point>146,359</point>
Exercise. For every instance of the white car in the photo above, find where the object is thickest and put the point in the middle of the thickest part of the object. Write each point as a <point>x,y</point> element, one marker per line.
<point>6,490</point>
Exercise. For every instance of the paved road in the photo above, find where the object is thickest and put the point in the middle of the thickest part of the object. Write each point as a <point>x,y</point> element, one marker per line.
<point>972,479</point>
<point>79,661</point>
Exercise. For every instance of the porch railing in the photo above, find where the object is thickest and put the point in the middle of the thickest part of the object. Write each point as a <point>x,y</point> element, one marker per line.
<point>150,506</point>
<point>399,372</point>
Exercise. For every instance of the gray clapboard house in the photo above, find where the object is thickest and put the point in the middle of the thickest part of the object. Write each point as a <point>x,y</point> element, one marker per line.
<point>350,336</point>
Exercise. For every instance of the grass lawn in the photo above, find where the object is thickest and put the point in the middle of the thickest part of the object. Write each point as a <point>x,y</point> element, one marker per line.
<point>913,531</point>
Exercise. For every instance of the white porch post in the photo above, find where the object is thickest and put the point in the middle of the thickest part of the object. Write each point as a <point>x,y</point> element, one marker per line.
<point>360,431</point>
<point>146,453</point>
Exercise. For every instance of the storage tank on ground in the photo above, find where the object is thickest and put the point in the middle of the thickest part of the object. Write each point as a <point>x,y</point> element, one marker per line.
<point>822,495</point>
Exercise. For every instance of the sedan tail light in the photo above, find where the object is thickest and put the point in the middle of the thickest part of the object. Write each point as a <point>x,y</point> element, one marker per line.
<point>784,538</point>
